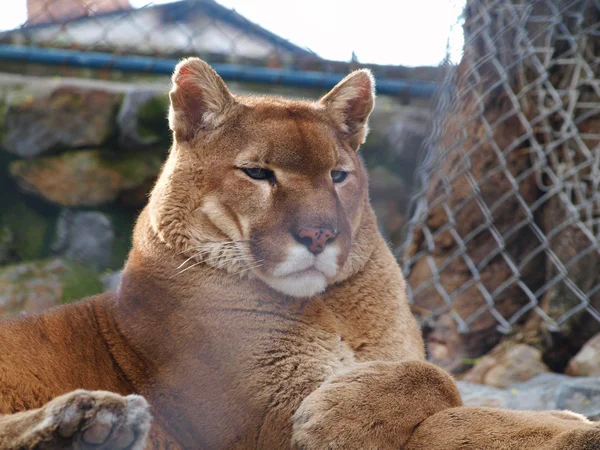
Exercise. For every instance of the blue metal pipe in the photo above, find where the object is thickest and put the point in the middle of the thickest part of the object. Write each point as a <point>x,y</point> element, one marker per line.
<point>309,79</point>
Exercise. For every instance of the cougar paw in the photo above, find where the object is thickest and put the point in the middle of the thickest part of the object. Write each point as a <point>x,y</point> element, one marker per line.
<point>373,405</point>
<point>97,419</point>
<point>332,418</point>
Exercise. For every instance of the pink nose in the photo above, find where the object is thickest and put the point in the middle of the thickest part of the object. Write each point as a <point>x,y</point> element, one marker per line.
<point>315,238</point>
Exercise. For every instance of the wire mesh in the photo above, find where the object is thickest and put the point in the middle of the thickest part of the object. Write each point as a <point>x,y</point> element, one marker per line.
<point>505,227</point>
<point>200,27</point>
<point>117,36</point>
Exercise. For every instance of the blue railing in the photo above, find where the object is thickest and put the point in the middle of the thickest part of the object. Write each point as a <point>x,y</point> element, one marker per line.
<point>147,64</point>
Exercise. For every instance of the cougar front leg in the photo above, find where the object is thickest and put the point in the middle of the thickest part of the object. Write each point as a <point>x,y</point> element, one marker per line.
<point>79,420</point>
<point>374,405</point>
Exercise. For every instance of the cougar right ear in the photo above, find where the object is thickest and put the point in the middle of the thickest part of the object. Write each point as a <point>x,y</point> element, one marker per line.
<point>350,103</point>
<point>199,99</point>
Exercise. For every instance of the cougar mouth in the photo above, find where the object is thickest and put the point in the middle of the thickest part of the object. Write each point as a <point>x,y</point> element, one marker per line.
<point>303,274</point>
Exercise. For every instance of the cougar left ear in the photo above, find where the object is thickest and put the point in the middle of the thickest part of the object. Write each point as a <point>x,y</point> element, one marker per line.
<point>350,103</point>
<point>199,99</point>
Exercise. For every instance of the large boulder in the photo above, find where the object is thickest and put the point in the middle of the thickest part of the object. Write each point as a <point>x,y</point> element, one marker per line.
<point>86,177</point>
<point>37,118</point>
<point>507,364</point>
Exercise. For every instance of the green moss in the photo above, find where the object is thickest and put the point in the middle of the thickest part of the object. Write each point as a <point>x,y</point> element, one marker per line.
<point>110,137</point>
<point>136,167</point>
<point>79,282</point>
<point>470,361</point>
<point>123,221</point>
<point>152,119</point>
<point>31,230</point>
<point>3,111</point>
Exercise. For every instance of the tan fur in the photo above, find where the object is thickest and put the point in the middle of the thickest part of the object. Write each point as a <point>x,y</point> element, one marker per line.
<point>214,325</point>
<point>496,429</point>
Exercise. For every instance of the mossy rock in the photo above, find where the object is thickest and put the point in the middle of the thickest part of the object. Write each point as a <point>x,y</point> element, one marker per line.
<point>35,286</point>
<point>87,177</point>
<point>41,117</point>
<point>152,119</point>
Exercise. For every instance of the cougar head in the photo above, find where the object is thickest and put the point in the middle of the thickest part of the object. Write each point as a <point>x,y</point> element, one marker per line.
<point>264,186</point>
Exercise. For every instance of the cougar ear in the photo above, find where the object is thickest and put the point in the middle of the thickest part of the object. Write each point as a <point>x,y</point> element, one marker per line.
<point>199,99</point>
<point>350,103</point>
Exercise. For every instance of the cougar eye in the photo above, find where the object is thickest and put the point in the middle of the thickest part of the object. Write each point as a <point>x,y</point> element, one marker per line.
<point>258,173</point>
<point>338,175</point>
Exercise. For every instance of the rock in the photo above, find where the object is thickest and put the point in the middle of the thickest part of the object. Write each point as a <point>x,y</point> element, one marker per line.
<point>142,118</point>
<point>536,394</point>
<point>36,286</point>
<point>40,118</point>
<point>506,365</point>
<point>544,392</point>
<point>84,178</point>
<point>479,395</point>
<point>111,281</point>
<point>84,237</point>
<point>587,361</point>
<point>580,395</point>
<point>396,136</point>
<point>406,134</point>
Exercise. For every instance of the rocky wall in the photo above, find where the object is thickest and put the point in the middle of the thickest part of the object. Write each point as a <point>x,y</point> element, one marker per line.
<point>79,156</point>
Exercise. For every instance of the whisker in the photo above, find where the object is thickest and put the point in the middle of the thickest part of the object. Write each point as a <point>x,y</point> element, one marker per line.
<point>254,266</point>
<point>186,269</point>
<point>226,247</point>
<point>183,263</point>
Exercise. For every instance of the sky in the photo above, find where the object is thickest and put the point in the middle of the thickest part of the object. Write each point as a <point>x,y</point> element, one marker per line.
<point>405,32</point>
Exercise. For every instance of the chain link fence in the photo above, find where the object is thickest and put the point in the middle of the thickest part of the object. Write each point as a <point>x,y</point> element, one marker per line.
<point>504,237</point>
<point>200,27</point>
<point>119,35</point>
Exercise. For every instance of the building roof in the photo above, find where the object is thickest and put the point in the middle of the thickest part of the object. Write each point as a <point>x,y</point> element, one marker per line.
<point>177,11</point>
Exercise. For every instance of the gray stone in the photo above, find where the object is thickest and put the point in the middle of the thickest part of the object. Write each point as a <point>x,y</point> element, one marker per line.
<point>85,237</point>
<point>111,280</point>
<point>581,395</point>
<point>536,394</point>
<point>474,394</point>
<point>41,118</point>
<point>545,392</point>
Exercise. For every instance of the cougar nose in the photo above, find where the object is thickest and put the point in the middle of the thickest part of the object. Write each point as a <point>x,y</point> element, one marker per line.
<point>315,238</point>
